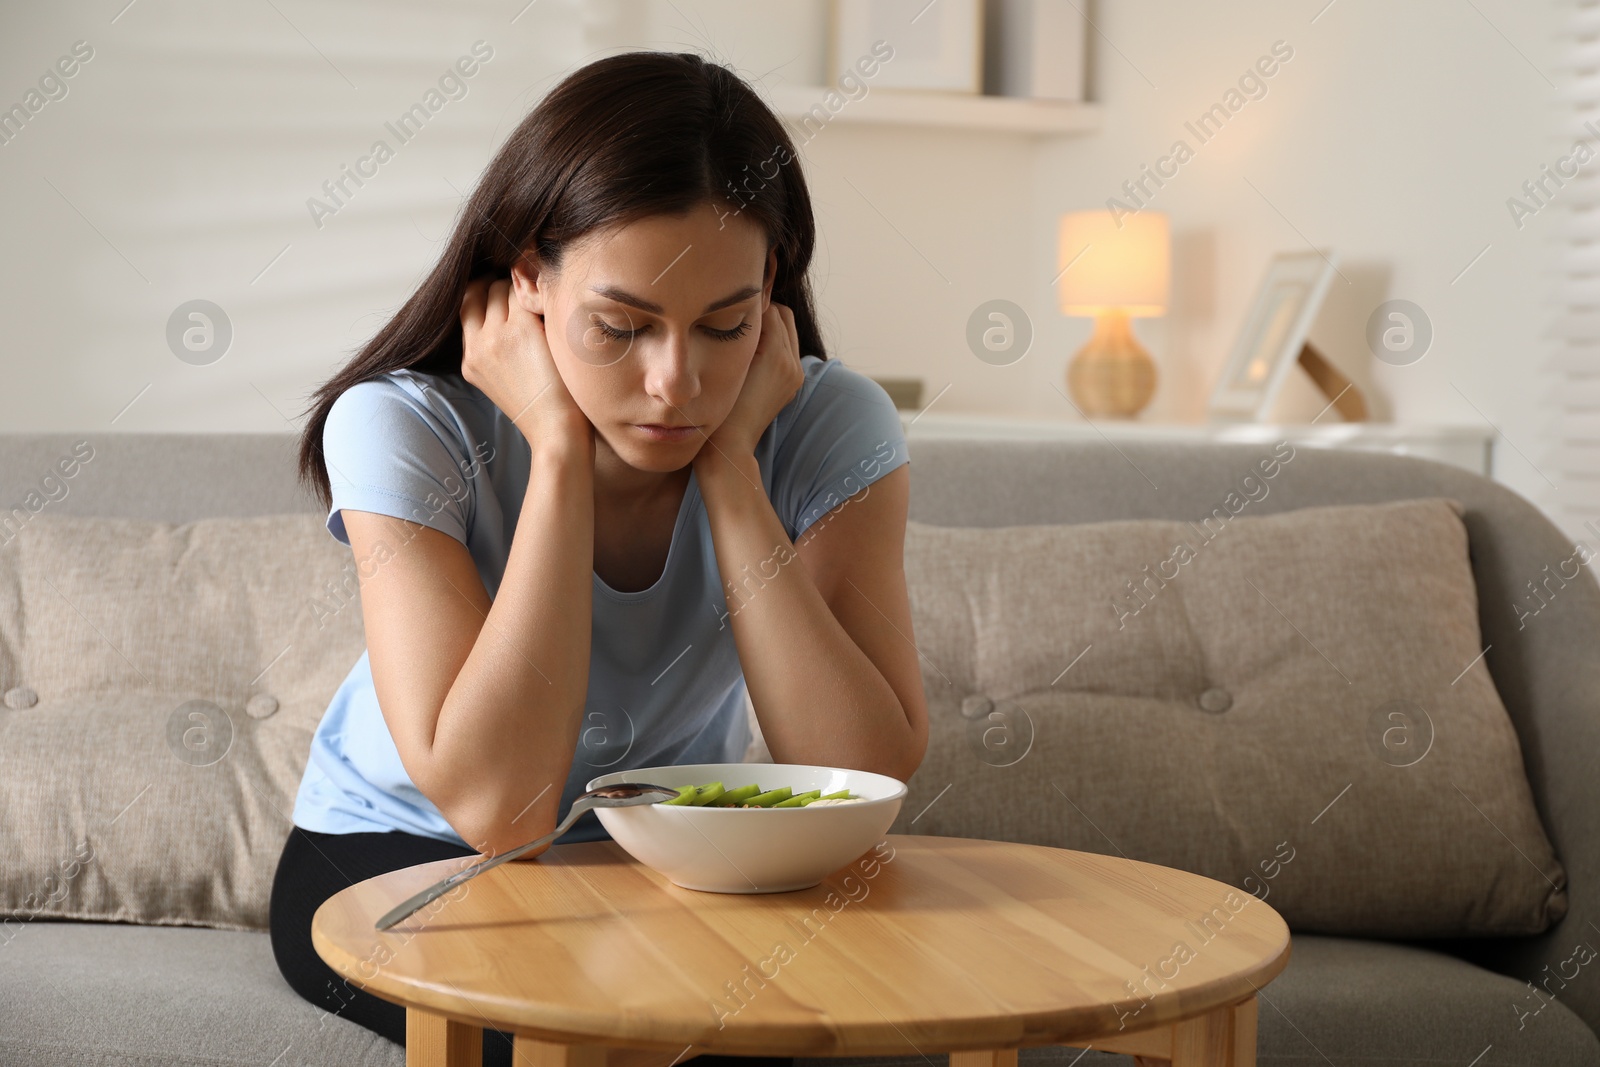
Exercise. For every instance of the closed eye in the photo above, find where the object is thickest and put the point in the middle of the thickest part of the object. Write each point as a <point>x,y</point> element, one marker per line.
<point>615,334</point>
<point>730,335</point>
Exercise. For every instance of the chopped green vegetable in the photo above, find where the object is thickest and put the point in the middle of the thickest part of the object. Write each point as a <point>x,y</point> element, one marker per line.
<point>716,795</point>
<point>707,794</point>
<point>685,795</point>
<point>736,796</point>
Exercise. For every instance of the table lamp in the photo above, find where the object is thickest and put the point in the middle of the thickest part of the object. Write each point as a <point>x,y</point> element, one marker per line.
<point>1119,269</point>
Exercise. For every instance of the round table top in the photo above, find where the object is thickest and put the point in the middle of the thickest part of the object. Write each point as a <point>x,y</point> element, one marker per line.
<point>921,945</point>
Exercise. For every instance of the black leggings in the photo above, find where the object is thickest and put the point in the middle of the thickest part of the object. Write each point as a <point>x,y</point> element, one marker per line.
<point>314,866</point>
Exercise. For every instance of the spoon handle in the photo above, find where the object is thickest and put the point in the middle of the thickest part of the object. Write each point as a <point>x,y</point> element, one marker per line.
<point>432,893</point>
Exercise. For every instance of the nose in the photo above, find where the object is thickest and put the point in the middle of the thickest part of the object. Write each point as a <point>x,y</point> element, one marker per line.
<point>670,375</point>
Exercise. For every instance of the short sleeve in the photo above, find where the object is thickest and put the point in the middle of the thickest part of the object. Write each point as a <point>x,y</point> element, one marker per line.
<point>388,452</point>
<point>845,435</point>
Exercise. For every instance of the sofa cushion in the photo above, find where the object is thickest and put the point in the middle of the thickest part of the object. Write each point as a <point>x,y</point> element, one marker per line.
<point>1345,1001</point>
<point>1295,704</point>
<point>99,994</point>
<point>180,671</point>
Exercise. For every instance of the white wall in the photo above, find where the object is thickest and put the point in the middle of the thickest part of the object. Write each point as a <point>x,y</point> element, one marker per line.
<point>179,164</point>
<point>1394,135</point>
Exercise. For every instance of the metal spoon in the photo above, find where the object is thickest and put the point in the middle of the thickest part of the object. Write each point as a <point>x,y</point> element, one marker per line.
<point>621,795</point>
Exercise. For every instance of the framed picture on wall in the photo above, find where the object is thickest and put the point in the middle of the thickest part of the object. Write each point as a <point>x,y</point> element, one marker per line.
<point>937,46</point>
<point>1274,331</point>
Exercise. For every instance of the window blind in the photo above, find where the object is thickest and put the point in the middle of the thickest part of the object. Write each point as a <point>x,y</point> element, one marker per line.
<point>1573,396</point>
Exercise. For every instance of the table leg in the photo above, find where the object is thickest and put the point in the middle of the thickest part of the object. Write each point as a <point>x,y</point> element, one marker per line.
<point>436,1041</point>
<point>1222,1038</point>
<point>1001,1058</point>
<point>1244,1034</point>
<point>531,1052</point>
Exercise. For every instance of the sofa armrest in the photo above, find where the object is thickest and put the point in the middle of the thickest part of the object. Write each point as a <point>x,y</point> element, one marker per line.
<point>1546,665</point>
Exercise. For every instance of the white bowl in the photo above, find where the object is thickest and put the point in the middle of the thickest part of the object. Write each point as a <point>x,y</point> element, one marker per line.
<point>752,850</point>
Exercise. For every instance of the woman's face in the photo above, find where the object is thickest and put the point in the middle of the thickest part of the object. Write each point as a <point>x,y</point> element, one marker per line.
<point>655,323</point>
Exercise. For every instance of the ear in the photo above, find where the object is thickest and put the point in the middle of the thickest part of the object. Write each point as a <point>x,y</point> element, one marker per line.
<point>771,273</point>
<point>525,276</point>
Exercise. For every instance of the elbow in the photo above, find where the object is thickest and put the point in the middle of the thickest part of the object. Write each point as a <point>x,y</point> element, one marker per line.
<point>900,758</point>
<point>496,837</point>
<point>910,761</point>
<point>914,712</point>
<point>490,818</point>
<point>916,748</point>
<point>514,841</point>
<point>494,829</point>
<point>902,762</point>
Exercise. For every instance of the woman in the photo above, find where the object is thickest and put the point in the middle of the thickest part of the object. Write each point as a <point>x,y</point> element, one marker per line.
<point>576,471</point>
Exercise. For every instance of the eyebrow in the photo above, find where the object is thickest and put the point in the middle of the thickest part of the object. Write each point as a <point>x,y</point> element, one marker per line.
<point>611,292</point>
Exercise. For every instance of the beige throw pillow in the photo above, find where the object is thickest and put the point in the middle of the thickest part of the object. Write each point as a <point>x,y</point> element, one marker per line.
<point>1294,704</point>
<point>177,673</point>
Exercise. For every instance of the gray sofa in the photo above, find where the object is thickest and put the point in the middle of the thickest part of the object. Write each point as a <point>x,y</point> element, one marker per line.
<point>77,992</point>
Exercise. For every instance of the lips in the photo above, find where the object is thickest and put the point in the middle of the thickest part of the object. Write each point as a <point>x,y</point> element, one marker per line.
<point>668,433</point>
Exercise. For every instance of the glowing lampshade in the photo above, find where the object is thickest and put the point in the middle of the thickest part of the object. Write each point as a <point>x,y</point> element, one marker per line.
<point>1117,264</point>
<point>1113,269</point>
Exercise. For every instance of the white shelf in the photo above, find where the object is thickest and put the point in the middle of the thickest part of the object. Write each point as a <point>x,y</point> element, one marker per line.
<point>1469,447</point>
<point>946,110</point>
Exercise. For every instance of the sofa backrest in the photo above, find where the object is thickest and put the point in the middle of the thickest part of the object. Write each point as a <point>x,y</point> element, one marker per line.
<point>171,477</point>
<point>1542,631</point>
<point>1543,661</point>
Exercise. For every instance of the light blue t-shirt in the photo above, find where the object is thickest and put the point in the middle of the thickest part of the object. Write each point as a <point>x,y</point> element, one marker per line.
<point>665,685</point>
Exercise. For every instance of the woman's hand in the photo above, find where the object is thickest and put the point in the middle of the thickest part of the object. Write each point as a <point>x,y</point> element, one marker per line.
<point>504,353</point>
<point>774,379</point>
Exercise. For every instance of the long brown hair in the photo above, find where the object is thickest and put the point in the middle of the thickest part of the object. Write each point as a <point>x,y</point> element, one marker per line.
<point>620,139</point>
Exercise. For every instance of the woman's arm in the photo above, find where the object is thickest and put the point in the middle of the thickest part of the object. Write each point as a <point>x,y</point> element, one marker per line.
<point>826,647</point>
<point>485,700</point>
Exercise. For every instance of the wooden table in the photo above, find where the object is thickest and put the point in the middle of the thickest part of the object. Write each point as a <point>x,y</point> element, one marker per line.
<point>922,945</point>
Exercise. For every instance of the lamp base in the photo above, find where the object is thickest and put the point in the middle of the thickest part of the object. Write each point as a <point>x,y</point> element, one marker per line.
<point>1112,374</point>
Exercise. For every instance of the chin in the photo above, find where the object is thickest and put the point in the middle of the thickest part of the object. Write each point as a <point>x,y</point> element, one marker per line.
<point>664,460</point>
<point>661,457</point>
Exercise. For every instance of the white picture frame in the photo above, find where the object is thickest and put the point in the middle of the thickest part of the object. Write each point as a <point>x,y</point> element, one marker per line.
<point>1274,331</point>
<point>937,47</point>
<point>1035,49</point>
